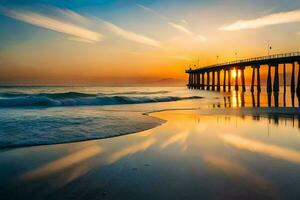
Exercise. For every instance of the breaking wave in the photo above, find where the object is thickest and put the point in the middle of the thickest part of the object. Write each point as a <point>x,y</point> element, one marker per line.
<point>79,99</point>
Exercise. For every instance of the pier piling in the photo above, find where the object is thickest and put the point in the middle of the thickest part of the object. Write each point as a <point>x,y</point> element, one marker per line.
<point>276,80</point>
<point>293,78</point>
<point>198,80</point>
<point>218,80</point>
<point>224,81</point>
<point>203,83</point>
<point>236,79</point>
<point>208,81</point>
<point>269,81</point>
<point>253,79</point>
<point>213,81</point>
<point>258,79</point>
<point>229,80</point>
<point>298,80</point>
<point>284,78</point>
<point>243,79</point>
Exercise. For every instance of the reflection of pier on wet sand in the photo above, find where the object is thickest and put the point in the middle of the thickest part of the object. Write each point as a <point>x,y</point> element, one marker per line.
<point>258,99</point>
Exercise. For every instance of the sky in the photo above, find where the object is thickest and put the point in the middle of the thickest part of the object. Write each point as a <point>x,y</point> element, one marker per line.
<point>136,42</point>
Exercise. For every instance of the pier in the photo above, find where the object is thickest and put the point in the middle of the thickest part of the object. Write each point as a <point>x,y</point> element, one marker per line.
<point>204,77</point>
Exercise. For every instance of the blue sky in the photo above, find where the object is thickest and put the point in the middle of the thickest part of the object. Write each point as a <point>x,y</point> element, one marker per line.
<point>62,40</point>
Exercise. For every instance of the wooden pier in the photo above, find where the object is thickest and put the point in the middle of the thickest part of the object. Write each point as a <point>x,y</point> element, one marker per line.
<point>197,76</point>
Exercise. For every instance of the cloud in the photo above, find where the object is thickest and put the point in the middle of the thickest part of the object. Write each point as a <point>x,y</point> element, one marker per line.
<point>180,28</point>
<point>130,35</point>
<point>77,39</point>
<point>174,25</point>
<point>72,24</point>
<point>201,38</point>
<point>153,12</point>
<point>54,24</point>
<point>268,20</point>
<point>184,22</point>
<point>72,15</point>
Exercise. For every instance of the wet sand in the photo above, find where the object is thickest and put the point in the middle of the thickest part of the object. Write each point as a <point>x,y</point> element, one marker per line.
<point>191,156</point>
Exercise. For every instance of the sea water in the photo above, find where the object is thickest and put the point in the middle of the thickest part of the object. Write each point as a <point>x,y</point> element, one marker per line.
<point>50,115</point>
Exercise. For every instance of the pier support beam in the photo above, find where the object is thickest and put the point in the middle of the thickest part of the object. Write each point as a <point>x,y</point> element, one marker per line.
<point>208,81</point>
<point>276,80</point>
<point>243,79</point>
<point>195,80</point>
<point>284,78</point>
<point>203,83</point>
<point>192,83</point>
<point>258,79</point>
<point>190,80</point>
<point>269,81</point>
<point>253,79</point>
<point>236,79</point>
<point>298,81</point>
<point>218,80</point>
<point>198,80</point>
<point>213,81</point>
<point>229,80</point>
<point>293,79</point>
<point>224,80</point>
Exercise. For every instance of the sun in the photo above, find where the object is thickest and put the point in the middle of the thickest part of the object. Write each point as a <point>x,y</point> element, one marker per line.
<point>234,74</point>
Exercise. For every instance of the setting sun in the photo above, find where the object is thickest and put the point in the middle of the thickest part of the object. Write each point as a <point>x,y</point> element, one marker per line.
<point>234,74</point>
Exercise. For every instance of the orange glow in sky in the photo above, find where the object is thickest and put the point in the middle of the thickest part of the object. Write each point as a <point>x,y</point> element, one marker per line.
<point>135,44</point>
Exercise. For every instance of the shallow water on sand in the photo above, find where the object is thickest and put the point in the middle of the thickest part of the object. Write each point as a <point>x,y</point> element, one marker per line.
<point>200,150</point>
<point>51,115</point>
<point>191,156</point>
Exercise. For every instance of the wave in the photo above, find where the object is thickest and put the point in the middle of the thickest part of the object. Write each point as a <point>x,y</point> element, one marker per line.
<point>137,93</point>
<point>80,99</point>
<point>76,94</point>
<point>49,95</point>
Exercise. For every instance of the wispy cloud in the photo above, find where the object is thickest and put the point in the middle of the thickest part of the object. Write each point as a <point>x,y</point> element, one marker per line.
<point>74,16</point>
<point>180,28</point>
<point>184,22</point>
<point>130,35</point>
<point>153,12</point>
<point>201,38</point>
<point>268,20</point>
<point>54,24</point>
<point>174,25</point>
<point>77,39</point>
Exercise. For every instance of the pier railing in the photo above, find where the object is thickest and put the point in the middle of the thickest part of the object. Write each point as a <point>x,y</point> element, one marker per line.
<point>200,78</point>
<point>261,58</point>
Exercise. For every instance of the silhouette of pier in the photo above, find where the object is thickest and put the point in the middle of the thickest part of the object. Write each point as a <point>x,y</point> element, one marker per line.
<point>208,77</point>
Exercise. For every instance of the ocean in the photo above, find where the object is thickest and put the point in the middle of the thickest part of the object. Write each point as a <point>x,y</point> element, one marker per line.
<point>51,115</point>
<point>148,143</point>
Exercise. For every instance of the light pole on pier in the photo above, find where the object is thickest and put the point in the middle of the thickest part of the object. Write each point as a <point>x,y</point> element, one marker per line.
<point>269,47</point>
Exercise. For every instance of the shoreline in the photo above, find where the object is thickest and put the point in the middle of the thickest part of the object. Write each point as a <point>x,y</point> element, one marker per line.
<point>287,112</point>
